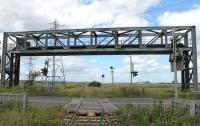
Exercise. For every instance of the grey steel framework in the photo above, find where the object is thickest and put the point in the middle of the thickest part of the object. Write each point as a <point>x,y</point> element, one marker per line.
<point>101,41</point>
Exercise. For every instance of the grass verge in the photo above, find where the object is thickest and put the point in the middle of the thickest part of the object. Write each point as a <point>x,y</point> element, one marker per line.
<point>106,90</point>
<point>156,115</point>
<point>10,115</point>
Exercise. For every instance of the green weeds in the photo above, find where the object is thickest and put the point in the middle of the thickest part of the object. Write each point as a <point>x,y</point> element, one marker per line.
<point>12,116</point>
<point>156,115</point>
<point>106,90</point>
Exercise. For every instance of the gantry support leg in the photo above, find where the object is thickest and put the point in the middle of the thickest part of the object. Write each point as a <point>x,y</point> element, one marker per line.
<point>11,70</point>
<point>3,61</point>
<point>185,73</point>
<point>183,80</point>
<point>194,58</point>
<point>16,69</point>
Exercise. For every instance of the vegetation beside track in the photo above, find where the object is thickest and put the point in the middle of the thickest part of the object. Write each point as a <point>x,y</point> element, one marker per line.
<point>10,115</point>
<point>128,115</point>
<point>156,115</point>
<point>106,90</point>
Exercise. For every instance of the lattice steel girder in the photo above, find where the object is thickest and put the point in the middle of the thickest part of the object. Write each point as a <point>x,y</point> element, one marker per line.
<point>126,29</point>
<point>99,51</point>
<point>116,35</point>
<point>99,41</point>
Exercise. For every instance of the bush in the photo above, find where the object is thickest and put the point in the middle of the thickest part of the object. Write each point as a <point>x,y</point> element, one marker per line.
<point>94,84</point>
<point>156,115</point>
<point>31,78</point>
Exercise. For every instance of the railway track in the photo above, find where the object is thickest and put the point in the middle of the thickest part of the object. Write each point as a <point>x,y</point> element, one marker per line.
<point>110,119</point>
<point>91,113</point>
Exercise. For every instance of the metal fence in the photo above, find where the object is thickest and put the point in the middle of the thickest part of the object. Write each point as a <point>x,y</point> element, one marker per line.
<point>189,105</point>
<point>19,98</point>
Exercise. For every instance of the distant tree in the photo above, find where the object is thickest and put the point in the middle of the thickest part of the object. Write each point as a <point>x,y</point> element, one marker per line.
<point>32,75</point>
<point>94,84</point>
<point>147,82</point>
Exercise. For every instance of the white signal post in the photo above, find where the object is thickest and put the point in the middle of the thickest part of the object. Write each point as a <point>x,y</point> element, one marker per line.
<point>175,69</point>
<point>131,70</point>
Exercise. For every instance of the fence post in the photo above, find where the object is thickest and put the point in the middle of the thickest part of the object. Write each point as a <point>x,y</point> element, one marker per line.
<point>20,98</point>
<point>173,102</point>
<point>192,108</point>
<point>24,100</point>
<point>3,99</point>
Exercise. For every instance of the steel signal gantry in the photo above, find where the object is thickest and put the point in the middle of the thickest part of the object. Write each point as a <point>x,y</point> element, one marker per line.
<point>101,41</point>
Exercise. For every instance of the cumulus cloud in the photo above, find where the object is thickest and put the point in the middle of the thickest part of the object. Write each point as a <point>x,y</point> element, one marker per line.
<point>1,41</point>
<point>73,13</point>
<point>21,15</point>
<point>37,14</point>
<point>78,69</point>
<point>74,61</point>
<point>71,63</point>
<point>146,64</point>
<point>190,17</point>
<point>150,68</point>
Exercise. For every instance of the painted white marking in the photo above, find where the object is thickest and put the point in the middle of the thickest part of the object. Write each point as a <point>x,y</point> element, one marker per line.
<point>47,101</point>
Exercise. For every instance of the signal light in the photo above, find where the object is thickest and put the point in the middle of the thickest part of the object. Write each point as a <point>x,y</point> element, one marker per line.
<point>135,73</point>
<point>44,71</point>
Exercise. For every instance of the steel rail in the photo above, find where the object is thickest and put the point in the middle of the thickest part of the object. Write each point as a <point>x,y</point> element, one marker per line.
<point>74,118</point>
<point>109,121</point>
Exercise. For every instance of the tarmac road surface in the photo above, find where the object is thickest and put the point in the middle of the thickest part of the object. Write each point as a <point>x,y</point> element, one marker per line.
<point>45,101</point>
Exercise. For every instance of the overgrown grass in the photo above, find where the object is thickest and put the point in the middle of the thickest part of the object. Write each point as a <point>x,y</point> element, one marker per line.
<point>10,115</point>
<point>106,90</point>
<point>19,89</point>
<point>83,90</point>
<point>156,115</point>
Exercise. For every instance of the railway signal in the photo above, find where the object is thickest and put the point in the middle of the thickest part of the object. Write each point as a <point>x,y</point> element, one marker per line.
<point>102,76</point>
<point>112,72</point>
<point>44,71</point>
<point>135,73</point>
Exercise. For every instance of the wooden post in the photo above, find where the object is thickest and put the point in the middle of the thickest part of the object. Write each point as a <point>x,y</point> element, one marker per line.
<point>24,100</point>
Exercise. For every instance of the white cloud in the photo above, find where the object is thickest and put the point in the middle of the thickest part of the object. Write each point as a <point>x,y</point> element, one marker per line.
<point>190,17</point>
<point>74,67</point>
<point>150,68</point>
<point>74,62</point>
<point>1,42</point>
<point>1,37</point>
<point>71,64</point>
<point>36,14</point>
<point>21,15</point>
<point>146,64</point>
<point>93,61</point>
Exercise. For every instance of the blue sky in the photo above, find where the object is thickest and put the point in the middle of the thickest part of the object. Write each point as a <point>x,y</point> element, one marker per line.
<point>171,6</point>
<point>102,13</point>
